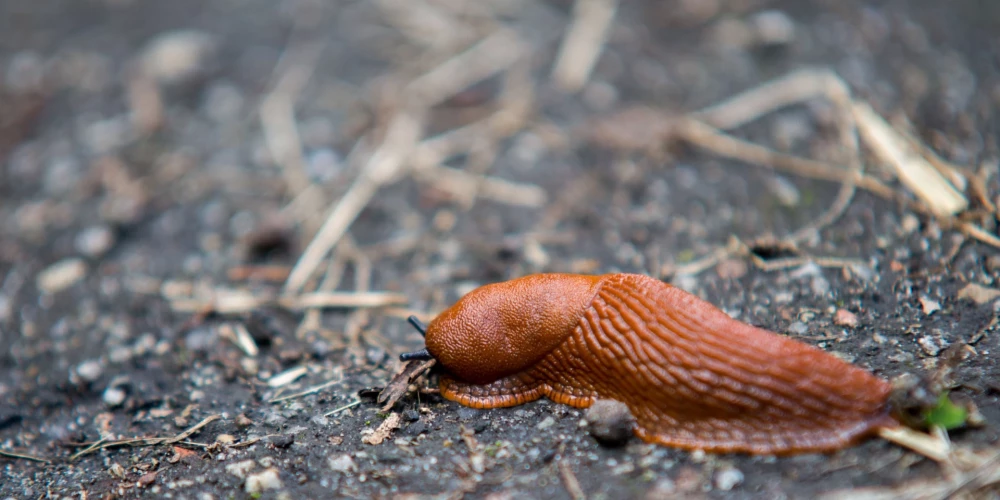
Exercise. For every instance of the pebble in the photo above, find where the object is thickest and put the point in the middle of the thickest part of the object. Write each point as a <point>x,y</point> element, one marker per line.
<point>113,397</point>
<point>281,440</point>
<point>61,275</point>
<point>545,424</point>
<point>263,481</point>
<point>798,328</point>
<point>773,27</point>
<point>177,56</point>
<point>90,370</point>
<point>929,306</point>
<point>342,463</point>
<point>610,422</point>
<point>843,317</point>
<point>95,241</point>
<point>726,479</point>
<point>411,415</point>
<point>242,421</point>
<point>241,469</point>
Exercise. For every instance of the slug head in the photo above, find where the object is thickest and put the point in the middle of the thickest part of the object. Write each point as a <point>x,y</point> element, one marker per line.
<point>503,328</point>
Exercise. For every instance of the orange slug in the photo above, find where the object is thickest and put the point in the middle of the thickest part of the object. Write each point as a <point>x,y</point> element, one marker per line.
<point>692,377</point>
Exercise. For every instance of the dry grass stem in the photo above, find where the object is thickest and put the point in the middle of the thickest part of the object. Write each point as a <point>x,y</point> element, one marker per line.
<point>105,443</point>
<point>228,301</point>
<point>794,88</point>
<point>287,377</point>
<point>486,58</point>
<point>342,408</point>
<point>23,456</point>
<point>313,389</point>
<point>238,334</point>
<point>570,482</point>
<point>385,163</point>
<point>931,447</point>
<point>460,183</point>
<point>911,168</point>
<point>583,42</point>
<point>425,23</point>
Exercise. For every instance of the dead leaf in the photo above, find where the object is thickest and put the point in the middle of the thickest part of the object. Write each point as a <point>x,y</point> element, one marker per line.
<point>147,479</point>
<point>384,430</point>
<point>978,294</point>
<point>399,384</point>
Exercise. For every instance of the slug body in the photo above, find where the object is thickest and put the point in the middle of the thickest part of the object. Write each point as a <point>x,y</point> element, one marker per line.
<point>693,377</point>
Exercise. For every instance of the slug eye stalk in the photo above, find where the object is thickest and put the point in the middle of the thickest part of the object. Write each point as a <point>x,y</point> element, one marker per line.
<point>422,354</point>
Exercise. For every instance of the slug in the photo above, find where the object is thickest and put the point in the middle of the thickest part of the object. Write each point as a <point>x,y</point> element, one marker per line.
<point>692,377</point>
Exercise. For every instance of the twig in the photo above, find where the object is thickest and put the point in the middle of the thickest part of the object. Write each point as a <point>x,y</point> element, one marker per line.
<point>932,448</point>
<point>104,443</point>
<point>311,390</point>
<point>228,301</point>
<point>342,408</point>
<point>486,58</point>
<point>570,481</point>
<point>384,164</point>
<point>461,183</point>
<point>23,456</point>
<point>911,168</point>
<point>583,42</point>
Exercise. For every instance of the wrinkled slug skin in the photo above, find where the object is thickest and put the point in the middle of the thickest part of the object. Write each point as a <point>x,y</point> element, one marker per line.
<point>693,377</point>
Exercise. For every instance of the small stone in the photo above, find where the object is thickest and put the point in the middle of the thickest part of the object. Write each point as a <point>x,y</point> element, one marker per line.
<point>319,420</point>
<point>843,317</point>
<point>225,439</point>
<point>929,306</point>
<point>416,428</point>
<point>241,469</point>
<point>662,488</point>
<point>177,56</point>
<point>545,424</point>
<point>930,345</point>
<point>342,463</point>
<point>726,479</point>
<point>978,294</point>
<point>610,422</point>
<point>113,397</point>
<point>117,470</point>
<point>773,27</point>
<point>90,371</point>
<point>798,328</point>
<point>910,223</point>
<point>993,263</point>
<point>242,421</point>
<point>61,275</point>
<point>263,481</point>
<point>281,440</point>
<point>411,415</point>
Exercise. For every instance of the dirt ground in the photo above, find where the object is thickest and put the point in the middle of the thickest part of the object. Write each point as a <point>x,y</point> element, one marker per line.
<point>164,160</point>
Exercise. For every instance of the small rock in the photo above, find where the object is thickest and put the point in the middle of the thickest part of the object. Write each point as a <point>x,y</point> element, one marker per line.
<point>342,463</point>
<point>480,426</point>
<point>978,294</point>
<point>545,424</point>
<point>375,355</point>
<point>411,415</point>
<point>610,422</point>
<point>798,328</point>
<point>929,306</point>
<point>662,488</point>
<point>242,421</point>
<point>281,440</point>
<point>843,317</point>
<point>241,469</point>
<point>773,27</point>
<point>319,420</point>
<point>177,56</point>
<point>726,479</point>
<point>113,397</point>
<point>416,428</point>
<point>263,481</point>
<point>931,346</point>
<point>90,371</point>
<point>993,263</point>
<point>147,479</point>
<point>61,275</point>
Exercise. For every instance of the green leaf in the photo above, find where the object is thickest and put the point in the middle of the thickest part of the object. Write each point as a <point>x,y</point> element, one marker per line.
<point>946,414</point>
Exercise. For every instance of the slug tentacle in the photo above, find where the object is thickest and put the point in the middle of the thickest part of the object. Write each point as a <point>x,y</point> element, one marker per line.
<point>692,377</point>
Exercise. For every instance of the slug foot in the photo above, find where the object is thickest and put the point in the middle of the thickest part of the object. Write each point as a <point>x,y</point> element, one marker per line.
<point>508,391</point>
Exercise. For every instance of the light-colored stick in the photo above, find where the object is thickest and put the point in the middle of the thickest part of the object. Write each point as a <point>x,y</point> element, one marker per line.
<point>583,42</point>
<point>385,163</point>
<point>911,168</point>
